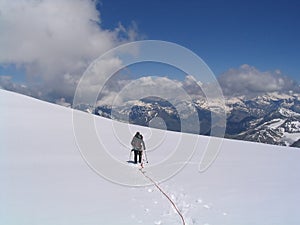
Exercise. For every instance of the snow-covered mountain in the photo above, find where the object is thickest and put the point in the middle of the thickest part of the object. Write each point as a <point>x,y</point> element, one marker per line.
<point>45,180</point>
<point>271,118</point>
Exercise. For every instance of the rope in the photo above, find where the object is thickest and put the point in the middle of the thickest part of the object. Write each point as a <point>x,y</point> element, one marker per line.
<point>164,193</point>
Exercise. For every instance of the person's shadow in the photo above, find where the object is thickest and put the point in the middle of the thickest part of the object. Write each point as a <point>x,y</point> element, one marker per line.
<point>131,162</point>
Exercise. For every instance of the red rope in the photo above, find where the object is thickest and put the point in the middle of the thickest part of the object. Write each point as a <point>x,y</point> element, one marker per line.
<point>164,193</point>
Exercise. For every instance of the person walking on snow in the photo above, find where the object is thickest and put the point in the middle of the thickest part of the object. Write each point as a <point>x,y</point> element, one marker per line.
<point>138,146</point>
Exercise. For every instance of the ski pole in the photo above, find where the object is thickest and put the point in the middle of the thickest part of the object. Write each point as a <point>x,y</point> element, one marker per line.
<point>130,155</point>
<point>146,156</point>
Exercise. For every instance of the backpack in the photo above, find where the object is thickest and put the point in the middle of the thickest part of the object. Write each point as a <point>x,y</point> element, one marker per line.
<point>137,143</point>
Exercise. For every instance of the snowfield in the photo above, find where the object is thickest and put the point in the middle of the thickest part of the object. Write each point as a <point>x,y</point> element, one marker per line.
<point>44,179</point>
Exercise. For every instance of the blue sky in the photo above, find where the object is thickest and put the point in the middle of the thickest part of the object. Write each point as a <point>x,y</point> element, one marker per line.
<point>48,44</point>
<point>225,34</point>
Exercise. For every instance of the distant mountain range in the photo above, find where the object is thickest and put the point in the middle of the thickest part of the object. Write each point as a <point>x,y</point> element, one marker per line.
<point>271,118</point>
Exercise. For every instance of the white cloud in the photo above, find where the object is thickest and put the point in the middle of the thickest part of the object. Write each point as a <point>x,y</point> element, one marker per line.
<point>192,86</point>
<point>130,90</point>
<point>247,80</point>
<point>55,40</point>
<point>6,83</point>
<point>92,84</point>
<point>62,102</point>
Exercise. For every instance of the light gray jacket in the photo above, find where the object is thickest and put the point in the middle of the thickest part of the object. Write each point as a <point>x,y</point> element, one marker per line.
<point>138,144</point>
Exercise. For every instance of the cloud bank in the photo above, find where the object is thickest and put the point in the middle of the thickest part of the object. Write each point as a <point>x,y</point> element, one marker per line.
<point>244,81</point>
<point>247,80</point>
<point>55,40</point>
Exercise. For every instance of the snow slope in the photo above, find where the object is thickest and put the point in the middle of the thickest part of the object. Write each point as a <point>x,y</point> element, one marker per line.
<point>45,181</point>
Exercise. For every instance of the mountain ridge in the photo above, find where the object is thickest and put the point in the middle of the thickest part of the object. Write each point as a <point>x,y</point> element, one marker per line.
<point>250,119</point>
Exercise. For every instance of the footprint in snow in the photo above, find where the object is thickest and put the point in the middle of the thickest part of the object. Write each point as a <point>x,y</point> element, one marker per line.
<point>150,190</point>
<point>199,201</point>
<point>206,206</point>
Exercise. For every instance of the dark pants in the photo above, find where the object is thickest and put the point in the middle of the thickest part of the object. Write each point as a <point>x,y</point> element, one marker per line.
<point>136,154</point>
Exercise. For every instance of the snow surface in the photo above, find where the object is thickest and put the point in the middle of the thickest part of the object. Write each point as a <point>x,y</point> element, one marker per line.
<point>287,112</point>
<point>290,133</point>
<point>275,123</point>
<point>45,181</point>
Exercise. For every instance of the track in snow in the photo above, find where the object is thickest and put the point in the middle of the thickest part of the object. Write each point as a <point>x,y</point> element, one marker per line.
<point>165,194</point>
